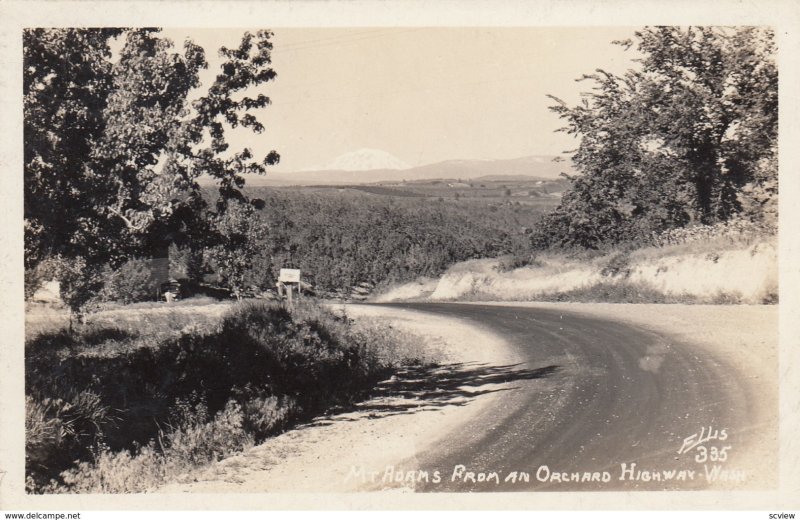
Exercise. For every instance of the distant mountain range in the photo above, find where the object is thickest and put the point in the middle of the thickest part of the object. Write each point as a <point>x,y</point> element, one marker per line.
<point>365,159</point>
<point>535,166</point>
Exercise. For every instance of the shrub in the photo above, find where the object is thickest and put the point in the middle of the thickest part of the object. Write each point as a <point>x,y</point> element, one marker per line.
<point>60,430</point>
<point>618,265</point>
<point>510,263</point>
<point>388,348</point>
<point>200,441</point>
<point>110,472</point>
<point>268,414</point>
<point>45,432</point>
<point>148,467</point>
<point>735,231</point>
<point>34,278</point>
<point>185,263</point>
<point>79,282</point>
<point>132,282</point>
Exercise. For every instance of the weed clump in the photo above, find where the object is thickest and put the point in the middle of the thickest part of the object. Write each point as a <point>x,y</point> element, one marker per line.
<point>510,263</point>
<point>619,264</point>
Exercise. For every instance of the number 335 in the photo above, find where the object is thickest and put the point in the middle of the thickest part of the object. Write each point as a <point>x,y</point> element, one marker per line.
<point>712,454</point>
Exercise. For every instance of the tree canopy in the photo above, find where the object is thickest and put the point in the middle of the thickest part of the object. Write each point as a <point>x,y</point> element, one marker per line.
<point>689,135</point>
<point>118,129</point>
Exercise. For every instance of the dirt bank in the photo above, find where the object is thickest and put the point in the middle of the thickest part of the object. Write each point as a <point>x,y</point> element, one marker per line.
<point>695,273</point>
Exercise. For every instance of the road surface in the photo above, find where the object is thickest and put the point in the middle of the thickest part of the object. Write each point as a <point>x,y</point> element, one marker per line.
<point>593,405</point>
<point>551,397</point>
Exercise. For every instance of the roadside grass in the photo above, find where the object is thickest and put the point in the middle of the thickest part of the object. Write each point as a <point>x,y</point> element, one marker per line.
<point>624,291</point>
<point>618,291</point>
<point>42,318</point>
<point>737,233</point>
<point>143,317</point>
<point>194,301</point>
<point>133,400</point>
<point>709,246</point>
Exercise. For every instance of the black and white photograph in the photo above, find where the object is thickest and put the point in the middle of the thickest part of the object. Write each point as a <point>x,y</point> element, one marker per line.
<point>423,260</point>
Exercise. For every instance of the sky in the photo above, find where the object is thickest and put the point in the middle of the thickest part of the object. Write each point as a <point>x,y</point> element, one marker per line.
<point>423,95</point>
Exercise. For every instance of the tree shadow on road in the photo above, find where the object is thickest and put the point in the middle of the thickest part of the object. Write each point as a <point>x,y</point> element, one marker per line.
<point>423,388</point>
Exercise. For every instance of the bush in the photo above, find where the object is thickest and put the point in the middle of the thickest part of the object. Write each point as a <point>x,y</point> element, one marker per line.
<point>734,231</point>
<point>510,263</point>
<point>268,414</point>
<point>128,471</point>
<point>185,263</point>
<point>34,278</point>
<point>45,431</point>
<point>201,441</point>
<point>110,472</point>
<point>618,265</point>
<point>132,282</point>
<point>60,430</point>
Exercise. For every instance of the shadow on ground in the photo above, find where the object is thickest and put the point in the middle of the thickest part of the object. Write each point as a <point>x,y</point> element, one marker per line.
<point>424,388</point>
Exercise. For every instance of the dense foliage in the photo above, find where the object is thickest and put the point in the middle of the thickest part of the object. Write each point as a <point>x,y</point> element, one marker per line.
<point>687,137</point>
<point>132,282</point>
<point>117,130</point>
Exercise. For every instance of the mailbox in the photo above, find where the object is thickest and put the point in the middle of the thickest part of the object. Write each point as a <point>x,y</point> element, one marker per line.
<point>289,276</point>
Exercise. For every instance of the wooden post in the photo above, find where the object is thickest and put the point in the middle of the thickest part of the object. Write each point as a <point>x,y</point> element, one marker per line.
<point>288,279</point>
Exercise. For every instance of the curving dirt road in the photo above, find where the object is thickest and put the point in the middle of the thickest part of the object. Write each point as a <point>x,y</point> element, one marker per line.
<point>590,395</point>
<point>545,397</point>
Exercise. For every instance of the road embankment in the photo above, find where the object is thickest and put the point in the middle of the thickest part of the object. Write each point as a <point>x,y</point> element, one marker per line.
<point>693,273</point>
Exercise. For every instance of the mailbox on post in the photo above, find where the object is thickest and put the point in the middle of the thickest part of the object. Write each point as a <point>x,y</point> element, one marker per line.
<point>289,276</point>
<point>288,279</point>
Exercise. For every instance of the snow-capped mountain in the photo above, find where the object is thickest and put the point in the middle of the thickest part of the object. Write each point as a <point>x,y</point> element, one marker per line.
<point>364,159</point>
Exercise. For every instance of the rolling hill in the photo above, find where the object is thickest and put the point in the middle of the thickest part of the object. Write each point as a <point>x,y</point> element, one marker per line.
<point>536,166</point>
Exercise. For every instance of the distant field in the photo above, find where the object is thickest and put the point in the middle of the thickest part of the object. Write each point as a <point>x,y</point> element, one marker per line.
<point>511,189</point>
<point>375,190</point>
<point>543,193</point>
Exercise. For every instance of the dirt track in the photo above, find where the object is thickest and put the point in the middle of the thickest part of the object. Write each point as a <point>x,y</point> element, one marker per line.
<point>578,390</point>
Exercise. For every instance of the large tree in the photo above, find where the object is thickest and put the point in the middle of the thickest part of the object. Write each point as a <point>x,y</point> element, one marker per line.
<point>687,136</point>
<point>118,129</point>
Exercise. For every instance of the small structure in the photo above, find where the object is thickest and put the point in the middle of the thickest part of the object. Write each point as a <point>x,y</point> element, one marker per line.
<point>171,290</point>
<point>288,282</point>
